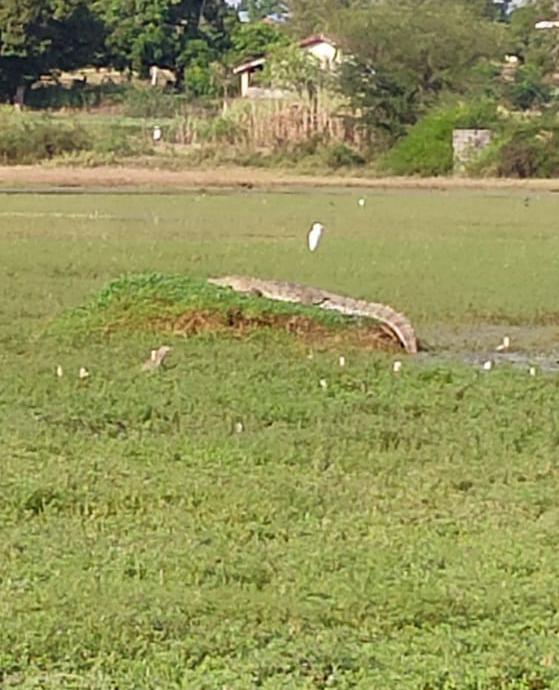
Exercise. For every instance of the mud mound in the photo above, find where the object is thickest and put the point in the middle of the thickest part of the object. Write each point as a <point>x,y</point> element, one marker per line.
<point>240,325</point>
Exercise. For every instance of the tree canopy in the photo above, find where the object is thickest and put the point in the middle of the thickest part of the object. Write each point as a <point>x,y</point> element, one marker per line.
<point>402,54</point>
<point>37,36</point>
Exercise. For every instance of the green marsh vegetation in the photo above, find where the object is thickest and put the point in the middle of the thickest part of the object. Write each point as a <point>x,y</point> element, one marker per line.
<point>386,531</point>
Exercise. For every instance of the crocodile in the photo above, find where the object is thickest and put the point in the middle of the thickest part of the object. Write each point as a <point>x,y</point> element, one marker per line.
<point>397,323</point>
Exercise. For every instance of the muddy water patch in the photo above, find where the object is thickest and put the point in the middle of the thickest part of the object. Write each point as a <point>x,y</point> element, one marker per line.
<point>530,345</point>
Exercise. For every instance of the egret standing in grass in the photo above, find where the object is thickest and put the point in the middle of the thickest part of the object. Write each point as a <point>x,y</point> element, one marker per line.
<point>487,366</point>
<point>362,202</point>
<point>156,358</point>
<point>314,236</point>
<point>505,345</point>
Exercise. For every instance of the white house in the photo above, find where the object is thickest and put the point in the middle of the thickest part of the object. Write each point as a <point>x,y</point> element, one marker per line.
<point>322,48</point>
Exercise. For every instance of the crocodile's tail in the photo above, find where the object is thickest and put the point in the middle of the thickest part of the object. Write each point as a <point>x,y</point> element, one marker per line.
<point>396,322</point>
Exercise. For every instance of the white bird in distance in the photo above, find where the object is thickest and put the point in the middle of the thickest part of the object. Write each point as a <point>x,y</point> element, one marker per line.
<point>505,345</point>
<point>314,236</point>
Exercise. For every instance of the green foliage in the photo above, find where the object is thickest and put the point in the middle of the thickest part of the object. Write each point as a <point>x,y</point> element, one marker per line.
<point>29,140</point>
<point>341,156</point>
<point>165,33</point>
<point>259,9</point>
<point>32,138</point>
<point>529,89</point>
<point>405,54</point>
<point>383,105</point>
<point>78,96</point>
<point>37,36</point>
<point>312,16</point>
<point>222,129</point>
<point>254,39</point>
<point>288,67</point>
<point>427,148</point>
<point>536,48</point>
<point>146,101</point>
<point>524,149</point>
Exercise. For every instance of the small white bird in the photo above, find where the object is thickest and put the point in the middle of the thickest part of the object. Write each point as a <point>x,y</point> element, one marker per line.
<point>362,201</point>
<point>84,373</point>
<point>314,236</point>
<point>157,134</point>
<point>156,358</point>
<point>323,384</point>
<point>59,371</point>
<point>397,366</point>
<point>487,366</point>
<point>505,345</point>
<point>238,428</point>
<point>342,361</point>
<point>532,371</point>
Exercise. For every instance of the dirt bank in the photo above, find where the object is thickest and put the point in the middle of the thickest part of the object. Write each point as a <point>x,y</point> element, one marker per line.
<point>39,177</point>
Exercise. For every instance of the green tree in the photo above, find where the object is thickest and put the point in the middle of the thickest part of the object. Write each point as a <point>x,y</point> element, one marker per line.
<point>255,39</point>
<point>38,36</point>
<point>535,47</point>
<point>311,16</point>
<point>174,34</point>
<point>405,54</point>
<point>290,68</point>
<point>258,9</point>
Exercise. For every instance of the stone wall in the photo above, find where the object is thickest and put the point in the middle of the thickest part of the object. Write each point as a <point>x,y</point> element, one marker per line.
<point>467,144</point>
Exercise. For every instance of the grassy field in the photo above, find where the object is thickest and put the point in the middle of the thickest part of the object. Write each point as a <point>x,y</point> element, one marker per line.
<point>377,531</point>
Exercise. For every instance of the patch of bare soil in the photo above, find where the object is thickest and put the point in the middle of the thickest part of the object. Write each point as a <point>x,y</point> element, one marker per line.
<point>239,325</point>
<point>33,176</point>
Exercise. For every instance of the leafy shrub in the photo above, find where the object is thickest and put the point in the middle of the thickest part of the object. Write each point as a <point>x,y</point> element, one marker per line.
<point>529,89</point>
<point>340,155</point>
<point>222,129</point>
<point>26,140</point>
<point>119,141</point>
<point>58,96</point>
<point>525,150</point>
<point>427,149</point>
<point>152,102</point>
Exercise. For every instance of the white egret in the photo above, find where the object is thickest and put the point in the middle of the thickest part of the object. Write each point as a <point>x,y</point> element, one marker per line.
<point>362,201</point>
<point>342,361</point>
<point>157,134</point>
<point>314,236</point>
<point>156,358</point>
<point>59,371</point>
<point>487,366</point>
<point>532,371</point>
<point>238,428</point>
<point>505,345</point>
<point>397,366</point>
<point>323,384</point>
<point>84,373</point>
